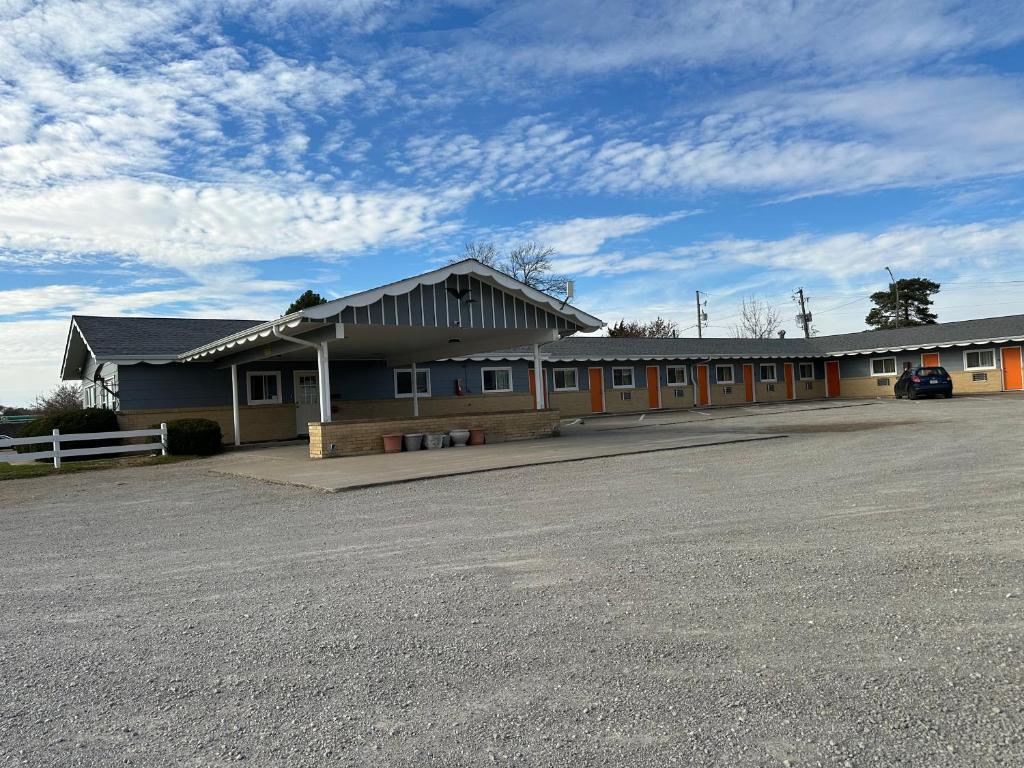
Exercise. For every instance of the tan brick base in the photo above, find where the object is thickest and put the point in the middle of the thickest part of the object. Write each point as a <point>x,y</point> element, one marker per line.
<point>258,423</point>
<point>351,438</point>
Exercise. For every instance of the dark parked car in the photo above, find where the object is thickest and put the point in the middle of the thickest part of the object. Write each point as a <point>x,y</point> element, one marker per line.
<point>916,382</point>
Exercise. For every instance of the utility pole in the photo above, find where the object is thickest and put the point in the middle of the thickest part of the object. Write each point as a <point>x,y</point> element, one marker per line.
<point>896,288</point>
<point>804,319</point>
<point>701,318</point>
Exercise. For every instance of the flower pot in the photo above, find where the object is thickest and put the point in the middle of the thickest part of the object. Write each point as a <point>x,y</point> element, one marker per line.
<point>434,441</point>
<point>476,437</point>
<point>413,442</point>
<point>392,443</point>
<point>459,437</point>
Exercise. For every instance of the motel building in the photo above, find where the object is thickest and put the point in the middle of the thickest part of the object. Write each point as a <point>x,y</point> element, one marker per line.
<point>466,346</point>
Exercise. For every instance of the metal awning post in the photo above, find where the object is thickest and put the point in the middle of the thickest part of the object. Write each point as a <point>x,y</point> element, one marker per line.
<point>415,394</point>
<point>323,364</point>
<point>235,420</point>
<point>538,378</point>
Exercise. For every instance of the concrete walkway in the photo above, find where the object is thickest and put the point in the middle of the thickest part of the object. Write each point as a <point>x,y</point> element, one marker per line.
<point>291,464</point>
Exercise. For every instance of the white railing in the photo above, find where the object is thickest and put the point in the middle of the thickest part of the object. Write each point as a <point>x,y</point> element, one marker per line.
<point>57,453</point>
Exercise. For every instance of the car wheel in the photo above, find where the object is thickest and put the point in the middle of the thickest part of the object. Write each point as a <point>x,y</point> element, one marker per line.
<point>898,395</point>
<point>912,394</point>
<point>948,395</point>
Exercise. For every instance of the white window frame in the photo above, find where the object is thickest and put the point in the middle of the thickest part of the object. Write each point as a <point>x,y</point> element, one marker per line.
<point>668,376</point>
<point>554,379</point>
<point>893,372</point>
<point>425,371</point>
<point>775,373</point>
<point>483,387</point>
<point>632,377</point>
<point>991,351</point>
<point>248,387</point>
<point>89,396</point>
<point>800,372</point>
<point>732,373</point>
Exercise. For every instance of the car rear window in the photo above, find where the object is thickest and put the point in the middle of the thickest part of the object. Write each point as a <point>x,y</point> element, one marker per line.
<point>931,371</point>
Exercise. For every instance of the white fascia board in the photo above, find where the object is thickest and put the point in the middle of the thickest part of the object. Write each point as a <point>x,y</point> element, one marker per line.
<point>466,267</point>
<point>243,338</point>
<point>931,345</point>
<point>73,328</point>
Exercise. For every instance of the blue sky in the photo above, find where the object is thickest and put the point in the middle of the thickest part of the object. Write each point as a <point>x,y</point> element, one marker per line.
<point>217,158</point>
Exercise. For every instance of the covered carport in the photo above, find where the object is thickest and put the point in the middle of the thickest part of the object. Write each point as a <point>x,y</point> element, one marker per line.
<point>458,310</point>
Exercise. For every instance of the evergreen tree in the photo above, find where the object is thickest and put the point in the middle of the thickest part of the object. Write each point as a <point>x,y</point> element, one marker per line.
<point>305,301</point>
<point>915,304</point>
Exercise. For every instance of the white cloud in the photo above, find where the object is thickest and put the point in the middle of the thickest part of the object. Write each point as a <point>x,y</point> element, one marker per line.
<point>584,236</point>
<point>189,226</point>
<point>37,346</point>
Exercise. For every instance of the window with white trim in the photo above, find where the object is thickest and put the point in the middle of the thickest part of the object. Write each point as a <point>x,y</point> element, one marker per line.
<point>622,378</point>
<point>566,379</point>
<point>263,387</point>
<point>805,371</point>
<point>767,372</point>
<point>496,379</point>
<point>675,375</point>
<point>883,366</point>
<point>724,374</point>
<point>979,359</point>
<point>89,396</point>
<point>403,382</point>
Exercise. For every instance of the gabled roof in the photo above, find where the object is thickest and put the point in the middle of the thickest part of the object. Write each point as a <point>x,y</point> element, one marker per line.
<point>139,339</point>
<point>585,321</point>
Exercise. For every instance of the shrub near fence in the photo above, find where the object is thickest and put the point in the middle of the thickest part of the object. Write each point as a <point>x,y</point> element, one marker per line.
<point>72,423</point>
<point>193,437</point>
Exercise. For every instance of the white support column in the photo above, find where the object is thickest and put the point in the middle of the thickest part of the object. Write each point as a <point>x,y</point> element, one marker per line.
<point>235,420</point>
<point>415,394</point>
<point>324,368</point>
<point>538,378</point>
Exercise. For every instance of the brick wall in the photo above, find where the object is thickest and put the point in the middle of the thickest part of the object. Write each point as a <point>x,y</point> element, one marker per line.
<point>258,422</point>
<point>361,437</point>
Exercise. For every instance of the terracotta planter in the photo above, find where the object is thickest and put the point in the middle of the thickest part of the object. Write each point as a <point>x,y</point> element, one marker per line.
<point>459,437</point>
<point>476,437</point>
<point>414,442</point>
<point>392,443</point>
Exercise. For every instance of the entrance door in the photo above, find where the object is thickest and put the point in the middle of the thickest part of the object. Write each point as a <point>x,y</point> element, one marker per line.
<point>307,400</point>
<point>1013,376</point>
<point>595,378</point>
<point>703,386</point>
<point>930,359</point>
<point>787,371</point>
<point>831,378</point>
<point>653,386</point>
<point>748,382</point>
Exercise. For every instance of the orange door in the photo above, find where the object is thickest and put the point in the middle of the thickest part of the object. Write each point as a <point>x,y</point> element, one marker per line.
<point>533,387</point>
<point>653,386</point>
<point>748,382</point>
<point>787,371</point>
<point>930,359</point>
<point>831,378</point>
<point>595,376</point>
<point>1013,376</point>
<point>703,386</point>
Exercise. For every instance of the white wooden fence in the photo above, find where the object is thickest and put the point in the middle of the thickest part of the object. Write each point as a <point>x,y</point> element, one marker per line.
<point>57,453</point>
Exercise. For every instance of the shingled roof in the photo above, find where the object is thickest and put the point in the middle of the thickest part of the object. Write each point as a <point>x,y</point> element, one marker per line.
<point>984,330</point>
<point>153,336</point>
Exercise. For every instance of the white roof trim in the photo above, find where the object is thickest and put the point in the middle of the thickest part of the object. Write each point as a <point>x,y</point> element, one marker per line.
<point>73,328</point>
<point>249,335</point>
<point>932,345</point>
<point>465,267</point>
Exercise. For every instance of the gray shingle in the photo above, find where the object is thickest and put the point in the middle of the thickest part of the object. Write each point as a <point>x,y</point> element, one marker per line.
<point>153,336</point>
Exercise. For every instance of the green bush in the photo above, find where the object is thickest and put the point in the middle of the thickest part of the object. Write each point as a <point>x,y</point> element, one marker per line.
<point>72,423</point>
<point>193,437</point>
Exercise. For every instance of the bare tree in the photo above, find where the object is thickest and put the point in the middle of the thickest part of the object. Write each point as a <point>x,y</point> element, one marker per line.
<point>658,328</point>
<point>529,263</point>
<point>64,398</point>
<point>758,320</point>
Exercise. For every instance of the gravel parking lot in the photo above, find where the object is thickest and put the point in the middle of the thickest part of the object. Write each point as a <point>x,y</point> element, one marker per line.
<point>851,595</point>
